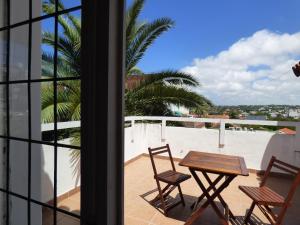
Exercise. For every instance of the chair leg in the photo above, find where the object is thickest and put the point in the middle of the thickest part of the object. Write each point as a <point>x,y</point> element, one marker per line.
<point>247,218</point>
<point>162,199</point>
<point>181,195</point>
<point>281,215</point>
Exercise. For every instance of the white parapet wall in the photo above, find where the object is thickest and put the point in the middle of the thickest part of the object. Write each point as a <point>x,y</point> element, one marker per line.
<point>67,180</point>
<point>256,147</point>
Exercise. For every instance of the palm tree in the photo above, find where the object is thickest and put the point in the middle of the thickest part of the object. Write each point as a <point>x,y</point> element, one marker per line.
<point>158,90</point>
<point>152,96</point>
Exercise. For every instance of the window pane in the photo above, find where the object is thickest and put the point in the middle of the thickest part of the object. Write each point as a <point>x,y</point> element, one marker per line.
<point>46,30</point>
<point>36,8</point>
<point>18,211</point>
<point>41,215</point>
<point>3,206</point>
<point>69,53</point>
<point>3,130</point>
<point>42,111</point>
<point>48,216</point>
<point>19,11</point>
<point>18,110</point>
<point>70,3</point>
<point>68,112</point>
<point>19,53</point>
<point>3,19</point>
<point>42,173</point>
<point>3,149</point>
<point>3,51</point>
<point>18,164</point>
<point>68,179</point>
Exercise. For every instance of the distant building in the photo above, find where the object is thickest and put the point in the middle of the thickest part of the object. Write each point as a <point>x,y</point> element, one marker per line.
<point>294,113</point>
<point>286,131</point>
<point>273,115</point>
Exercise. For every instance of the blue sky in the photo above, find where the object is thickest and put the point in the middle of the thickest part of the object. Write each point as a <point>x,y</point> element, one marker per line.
<point>207,28</point>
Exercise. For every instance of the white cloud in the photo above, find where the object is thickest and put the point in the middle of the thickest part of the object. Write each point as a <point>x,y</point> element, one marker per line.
<point>254,70</point>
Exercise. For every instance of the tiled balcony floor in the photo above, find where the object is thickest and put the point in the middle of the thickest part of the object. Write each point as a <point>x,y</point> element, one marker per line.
<point>139,181</point>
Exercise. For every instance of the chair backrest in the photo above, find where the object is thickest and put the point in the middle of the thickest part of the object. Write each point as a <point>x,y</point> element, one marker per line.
<point>290,169</point>
<point>158,151</point>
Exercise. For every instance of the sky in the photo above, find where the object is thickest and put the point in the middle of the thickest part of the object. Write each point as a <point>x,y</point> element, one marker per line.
<point>241,51</point>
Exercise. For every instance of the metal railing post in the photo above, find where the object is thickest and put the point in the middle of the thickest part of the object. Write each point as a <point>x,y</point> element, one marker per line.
<point>222,134</point>
<point>132,130</point>
<point>163,130</point>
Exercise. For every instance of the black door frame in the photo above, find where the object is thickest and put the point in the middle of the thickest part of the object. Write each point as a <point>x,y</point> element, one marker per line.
<point>102,122</point>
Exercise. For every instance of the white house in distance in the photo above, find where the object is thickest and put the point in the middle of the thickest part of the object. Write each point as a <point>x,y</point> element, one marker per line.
<point>294,113</point>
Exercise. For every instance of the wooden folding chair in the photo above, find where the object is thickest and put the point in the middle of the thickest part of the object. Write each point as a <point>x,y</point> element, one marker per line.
<point>172,178</point>
<point>265,198</point>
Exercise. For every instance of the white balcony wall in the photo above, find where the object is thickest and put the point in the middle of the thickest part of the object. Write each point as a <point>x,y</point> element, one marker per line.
<point>256,147</point>
<point>66,181</point>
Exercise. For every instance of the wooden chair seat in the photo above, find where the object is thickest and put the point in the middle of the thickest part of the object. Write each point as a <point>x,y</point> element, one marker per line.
<point>263,195</point>
<point>172,177</point>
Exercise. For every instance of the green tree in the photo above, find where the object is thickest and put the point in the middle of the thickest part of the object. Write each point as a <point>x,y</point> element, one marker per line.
<point>158,90</point>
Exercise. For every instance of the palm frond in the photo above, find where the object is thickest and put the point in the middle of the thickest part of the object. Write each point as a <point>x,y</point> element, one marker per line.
<point>171,77</point>
<point>165,94</point>
<point>131,20</point>
<point>150,32</point>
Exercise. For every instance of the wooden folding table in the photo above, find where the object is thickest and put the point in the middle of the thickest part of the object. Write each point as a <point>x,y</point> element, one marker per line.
<point>224,166</point>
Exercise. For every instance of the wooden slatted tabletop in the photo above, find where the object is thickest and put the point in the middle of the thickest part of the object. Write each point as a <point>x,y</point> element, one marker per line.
<point>215,163</point>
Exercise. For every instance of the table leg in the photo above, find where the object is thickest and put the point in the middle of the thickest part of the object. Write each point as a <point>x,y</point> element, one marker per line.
<point>210,200</point>
<point>219,196</point>
<point>195,204</point>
